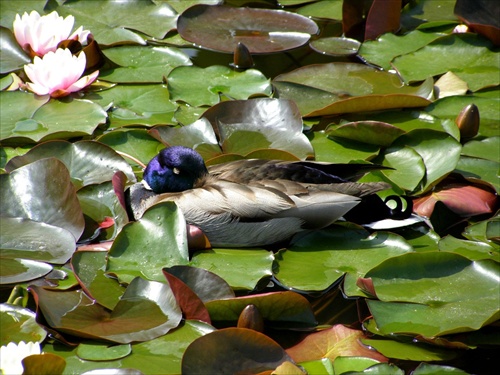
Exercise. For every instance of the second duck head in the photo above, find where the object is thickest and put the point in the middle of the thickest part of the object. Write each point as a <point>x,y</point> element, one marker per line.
<point>174,169</point>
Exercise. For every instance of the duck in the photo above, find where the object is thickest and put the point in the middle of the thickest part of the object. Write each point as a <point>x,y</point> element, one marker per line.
<point>253,202</point>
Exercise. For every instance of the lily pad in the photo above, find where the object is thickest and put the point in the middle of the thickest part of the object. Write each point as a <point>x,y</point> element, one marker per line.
<point>329,254</point>
<point>117,23</point>
<point>469,56</point>
<point>13,56</point>
<point>139,64</point>
<point>356,88</point>
<point>221,28</point>
<point>371,132</point>
<point>335,46</point>
<point>43,198</point>
<point>136,105</point>
<point>28,239</point>
<point>242,269</point>
<point>16,270</point>
<point>202,86</point>
<point>215,353</point>
<point>25,115</point>
<point>88,162</point>
<point>144,247</point>
<point>146,310</point>
<point>18,324</point>
<point>422,294</point>
<point>338,341</point>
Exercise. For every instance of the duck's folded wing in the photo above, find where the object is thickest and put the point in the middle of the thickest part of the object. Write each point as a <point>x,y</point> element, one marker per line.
<point>319,209</point>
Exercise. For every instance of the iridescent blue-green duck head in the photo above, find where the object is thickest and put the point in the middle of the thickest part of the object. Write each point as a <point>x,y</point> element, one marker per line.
<point>174,169</point>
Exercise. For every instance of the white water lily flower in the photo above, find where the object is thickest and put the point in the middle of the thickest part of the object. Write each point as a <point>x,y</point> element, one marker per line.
<point>44,33</point>
<point>11,356</point>
<point>58,73</point>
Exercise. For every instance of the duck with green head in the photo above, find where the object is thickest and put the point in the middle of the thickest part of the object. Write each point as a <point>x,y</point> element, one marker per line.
<point>254,202</point>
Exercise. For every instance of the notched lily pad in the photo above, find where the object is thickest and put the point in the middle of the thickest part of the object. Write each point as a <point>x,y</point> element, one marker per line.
<point>335,46</point>
<point>221,28</point>
<point>372,132</point>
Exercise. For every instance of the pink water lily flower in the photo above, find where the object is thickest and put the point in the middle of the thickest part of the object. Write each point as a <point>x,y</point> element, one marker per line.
<point>42,34</point>
<point>58,73</point>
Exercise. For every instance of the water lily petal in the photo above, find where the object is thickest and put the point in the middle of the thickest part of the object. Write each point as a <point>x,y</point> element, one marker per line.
<point>11,356</point>
<point>42,34</point>
<point>77,86</point>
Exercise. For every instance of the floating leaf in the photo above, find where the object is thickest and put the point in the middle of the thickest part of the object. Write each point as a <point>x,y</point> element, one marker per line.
<point>240,269</point>
<point>28,239</point>
<point>371,132</point>
<point>276,121</point>
<point>18,271</point>
<point>18,324</point>
<point>279,309</point>
<point>139,64</point>
<point>136,104</point>
<point>214,353</point>
<point>221,28</point>
<point>355,88</point>
<point>331,343</point>
<point>146,310</point>
<point>409,168</point>
<point>88,162</point>
<point>13,56</point>
<point>335,46</point>
<point>102,352</point>
<point>144,247</point>
<point>423,294</point>
<point>469,56</point>
<point>409,351</point>
<point>116,23</point>
<point>43,198</point>
<point>329,254</point>
<point>474,250</point>
<point>202,86</point>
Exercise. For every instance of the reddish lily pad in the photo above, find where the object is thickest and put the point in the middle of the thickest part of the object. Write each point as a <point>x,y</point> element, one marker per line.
<point>221,28</point>
<point>332,343</point>
<point>233,351</point>
<point>147,310</point>
<point>279,309</point>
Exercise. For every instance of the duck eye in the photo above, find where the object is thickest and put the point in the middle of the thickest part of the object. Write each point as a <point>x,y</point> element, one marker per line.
<point>176,170</point>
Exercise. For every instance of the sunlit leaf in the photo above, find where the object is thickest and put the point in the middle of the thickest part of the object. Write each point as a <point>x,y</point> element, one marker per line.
<point>144,247</point>
<point>202,86</point>
<point>139,64</point>
<point>279,309</point>
<point>220,28</point>
<point>422,293</point>
<point>42,198</point>
<point>13,56</point>
<point>136,104</point>
<point>474,250</point>
<point>88,162</point>
<point>332,343</point>
<point>117,22</point>
<point>336,46</point>
<point>214,353</point>
<point>467,55</point>
<point>18,324</point>
<point>102,352</point>
<point>146,310</point>
<point>15,270</point>
<point>355,88</point>
<point>371,132</point>
<point>318,259</point>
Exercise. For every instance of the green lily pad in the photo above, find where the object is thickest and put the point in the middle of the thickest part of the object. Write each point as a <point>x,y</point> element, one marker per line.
<point>318,259</point>
<point>139,64</point>
<point>355,88</point>
<point>146,310</point>
<point>469,56</point>
<point>202,86</point>
<point>28,239</point>
<point>335,46</point>
<point>162,355</point>
<point>221,28</point>
<point>483,149</point>
<point>13,56</point>
<point>242,269</point>
<point>19,324</point>
<point>329,9</point>
<point>136,105</point>
<point>144,247</point>
<point>383,50</point>
<point>474,250</point>
<point>439,151</point>
<point>409,168</point>
<point>117,23</point>
<point>89,268</point>
<point>102,352</point>
<point>486,170</point>
<point>88,162</point>
<point>409,351</point>
<point>40,199</point>
<point>15,270</point>
<point>371,132</point>
<point>423,294</point>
